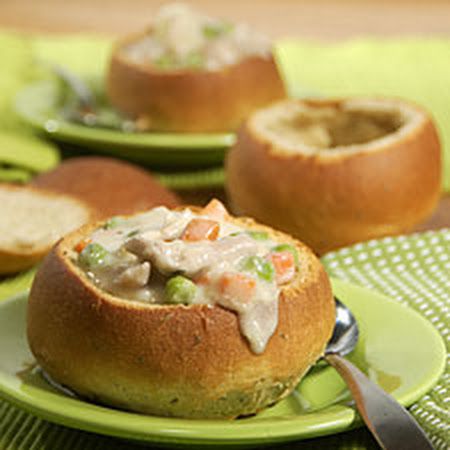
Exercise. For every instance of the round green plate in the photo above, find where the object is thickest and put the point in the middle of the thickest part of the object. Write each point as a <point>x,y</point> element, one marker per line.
<point>37,105</point>
<point>398,349</point>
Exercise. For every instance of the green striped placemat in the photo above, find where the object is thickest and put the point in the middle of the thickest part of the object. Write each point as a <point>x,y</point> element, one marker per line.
<point>414,270</point>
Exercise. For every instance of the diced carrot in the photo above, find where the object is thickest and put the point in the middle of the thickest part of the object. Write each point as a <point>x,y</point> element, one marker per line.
<point>82,244</point>
<point>216,210</point>
<point>201,229</point>
<point>237,286</point>
<point>284,264</point>
<point>202,279</point>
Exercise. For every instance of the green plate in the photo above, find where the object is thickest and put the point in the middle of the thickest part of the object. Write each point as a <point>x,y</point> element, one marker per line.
<point>37,105</point>
<point>398,349</point>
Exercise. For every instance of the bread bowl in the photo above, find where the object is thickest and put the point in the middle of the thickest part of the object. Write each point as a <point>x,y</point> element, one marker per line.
<point>335,172</point>
<point>196,358</point>
<point>32,220</point>
<point>110,186</point>
<point>192,73</point>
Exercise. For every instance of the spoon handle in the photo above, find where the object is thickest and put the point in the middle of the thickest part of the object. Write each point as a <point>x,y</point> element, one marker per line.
<point>391,424</point>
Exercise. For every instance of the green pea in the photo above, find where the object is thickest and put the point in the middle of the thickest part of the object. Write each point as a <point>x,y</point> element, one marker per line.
<point>288,248</point>
<point>165,62</point>
<point>259,235</point>
<point>213,31</point>
<point>194,59</point>
<point>112,223</point>
<point>132,233</point>
<point>180,289</point>
<point>264,269</point>
<point>93,255</point>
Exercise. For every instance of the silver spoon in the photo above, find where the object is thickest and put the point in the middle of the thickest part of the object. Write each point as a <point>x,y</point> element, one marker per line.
<point>81,90</point>
<point>391,424</point>
<point>88,111</point>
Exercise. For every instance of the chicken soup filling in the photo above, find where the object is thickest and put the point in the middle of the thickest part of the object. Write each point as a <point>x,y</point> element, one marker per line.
<point>181,37</point>
<point>185,257</point>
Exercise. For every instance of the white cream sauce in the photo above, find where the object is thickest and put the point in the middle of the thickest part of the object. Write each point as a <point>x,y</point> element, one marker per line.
<point>182,37</point>
<point>144,251</point>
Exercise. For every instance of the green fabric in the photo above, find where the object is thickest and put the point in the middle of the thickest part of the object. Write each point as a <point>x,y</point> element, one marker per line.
<point>414,270</point>
<point>84,54</point>
<point>16,71</point>
<point>10,286</point>
<point>417,69</point>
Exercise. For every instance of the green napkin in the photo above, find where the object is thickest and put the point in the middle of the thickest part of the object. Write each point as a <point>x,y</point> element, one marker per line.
<point>86,54</point>
<point>12,285</point>
<point>414,270</point>
<point>417,69</point>
<point>21,153</point>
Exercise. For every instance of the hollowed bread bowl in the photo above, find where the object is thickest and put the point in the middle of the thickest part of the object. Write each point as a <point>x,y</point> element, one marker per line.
<point>335,172</point>
<point>191,100</point>
<point>173,360</point>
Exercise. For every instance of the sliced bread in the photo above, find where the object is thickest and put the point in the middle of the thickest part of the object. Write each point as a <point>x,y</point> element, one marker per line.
<point>31,221</point>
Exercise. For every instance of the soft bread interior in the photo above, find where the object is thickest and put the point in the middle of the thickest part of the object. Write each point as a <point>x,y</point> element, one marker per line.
<point>31,220</point>
<point>322,127</point>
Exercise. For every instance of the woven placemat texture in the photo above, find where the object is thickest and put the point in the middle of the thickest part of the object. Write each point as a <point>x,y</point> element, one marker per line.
<point>413,270</point>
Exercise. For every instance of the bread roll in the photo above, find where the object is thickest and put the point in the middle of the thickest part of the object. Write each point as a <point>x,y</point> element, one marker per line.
<point>108,185</point>
<point>335,172</point>
<point>183,360</point>
<point>192,73</point>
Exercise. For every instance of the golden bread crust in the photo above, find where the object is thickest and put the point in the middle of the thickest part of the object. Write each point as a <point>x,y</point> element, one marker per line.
<point>12,262</point>
<point>109,185</point>
<point>185,361</point>
<point>341,198</point>
<point>192,100</point>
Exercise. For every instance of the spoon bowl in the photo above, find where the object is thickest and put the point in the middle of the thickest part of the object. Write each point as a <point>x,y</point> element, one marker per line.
<point>346,332</point>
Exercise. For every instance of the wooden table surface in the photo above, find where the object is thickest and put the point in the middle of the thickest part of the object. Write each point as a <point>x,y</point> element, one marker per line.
<point>323,19</point>
<point>318,19</point>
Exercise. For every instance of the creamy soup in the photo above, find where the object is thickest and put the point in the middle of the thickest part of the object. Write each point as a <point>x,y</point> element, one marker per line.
<point>182,257</point>
<point>180,37</point>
